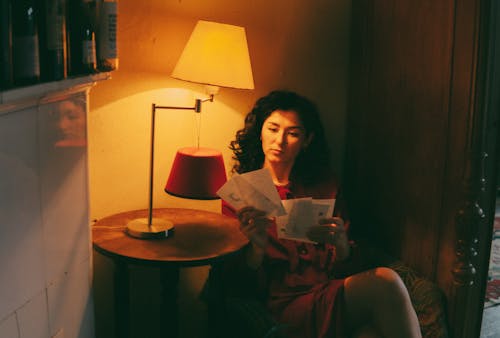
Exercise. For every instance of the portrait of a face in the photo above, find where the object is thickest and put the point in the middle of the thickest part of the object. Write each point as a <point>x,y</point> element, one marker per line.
<point>70,121</point>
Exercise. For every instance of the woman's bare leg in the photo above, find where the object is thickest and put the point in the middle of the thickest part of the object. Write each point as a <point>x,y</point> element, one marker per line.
<point>379,298</point>
<point>366,332</point>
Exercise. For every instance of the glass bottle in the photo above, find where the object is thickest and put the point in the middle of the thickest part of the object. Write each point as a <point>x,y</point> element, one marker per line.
<point>89,57</point>
<point>107,49</point>
<point>53,48</point>
<point>81,37</point>
<point>25,49</point>
<point>5,44</point>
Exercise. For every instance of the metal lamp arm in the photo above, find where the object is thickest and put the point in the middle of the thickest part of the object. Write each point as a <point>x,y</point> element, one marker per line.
<point>197,109</point>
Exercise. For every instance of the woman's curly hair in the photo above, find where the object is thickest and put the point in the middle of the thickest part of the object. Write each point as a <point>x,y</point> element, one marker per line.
<point>311,165</point>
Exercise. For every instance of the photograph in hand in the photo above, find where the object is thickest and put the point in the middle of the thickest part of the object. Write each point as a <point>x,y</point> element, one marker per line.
<point>254,188</point>
<point>293,216</point>
<point>302,213</point>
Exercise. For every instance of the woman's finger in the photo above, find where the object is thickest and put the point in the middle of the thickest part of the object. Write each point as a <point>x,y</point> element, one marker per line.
<point>324,228</point>
<point>247,213</point>
<point>328,233</point>
<point>332,220</point>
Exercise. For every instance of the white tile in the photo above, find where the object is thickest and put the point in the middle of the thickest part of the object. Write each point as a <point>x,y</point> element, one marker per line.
<point>26,94</point>
<point>8,327</point>
<point>19,97</point>
<point>64,194</point>
<point>21,241</point>
<point>33,319</point>
<point>70,303</point>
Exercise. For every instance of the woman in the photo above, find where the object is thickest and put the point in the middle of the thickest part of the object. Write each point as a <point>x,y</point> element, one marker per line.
<point>71,123</point>
<point>316,290</point>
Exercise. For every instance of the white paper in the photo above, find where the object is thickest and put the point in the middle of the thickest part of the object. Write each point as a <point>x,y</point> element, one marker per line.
<point>255,188</point>
<point>301,214</point>
<point>293,216</point>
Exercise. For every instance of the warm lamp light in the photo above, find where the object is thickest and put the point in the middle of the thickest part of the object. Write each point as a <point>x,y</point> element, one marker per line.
<point>215,55</point>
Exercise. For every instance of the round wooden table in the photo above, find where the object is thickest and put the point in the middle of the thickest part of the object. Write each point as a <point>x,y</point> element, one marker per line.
<point>199,238</point>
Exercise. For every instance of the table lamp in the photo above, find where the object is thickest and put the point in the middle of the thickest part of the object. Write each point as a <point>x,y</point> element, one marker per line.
<point>215,55</point>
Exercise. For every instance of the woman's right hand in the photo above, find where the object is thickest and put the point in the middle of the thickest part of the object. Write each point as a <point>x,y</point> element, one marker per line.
<point>254,224</point>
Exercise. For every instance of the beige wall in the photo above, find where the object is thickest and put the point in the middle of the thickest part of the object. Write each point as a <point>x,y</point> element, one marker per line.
<point>300,45</point>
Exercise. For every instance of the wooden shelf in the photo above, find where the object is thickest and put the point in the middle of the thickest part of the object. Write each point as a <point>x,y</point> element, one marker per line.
<point>24,97</point>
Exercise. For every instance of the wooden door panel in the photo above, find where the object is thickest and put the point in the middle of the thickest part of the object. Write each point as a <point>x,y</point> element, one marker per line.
<point>396,148</point>
<point>416,129</point>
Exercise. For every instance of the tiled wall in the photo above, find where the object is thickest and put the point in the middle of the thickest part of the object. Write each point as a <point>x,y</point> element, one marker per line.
<point>45,276</point>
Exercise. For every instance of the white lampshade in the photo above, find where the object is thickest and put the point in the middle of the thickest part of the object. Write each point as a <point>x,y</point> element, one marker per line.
<point>216,54</point>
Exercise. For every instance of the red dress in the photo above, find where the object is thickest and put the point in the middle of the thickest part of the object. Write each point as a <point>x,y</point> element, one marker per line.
<point>300,283</point>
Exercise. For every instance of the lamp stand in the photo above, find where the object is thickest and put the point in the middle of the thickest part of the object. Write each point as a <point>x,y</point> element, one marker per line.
<point>145,228</point>
<point>151,228</point>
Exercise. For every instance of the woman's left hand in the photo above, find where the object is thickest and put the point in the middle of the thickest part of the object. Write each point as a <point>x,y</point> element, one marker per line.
<point>331,231</point>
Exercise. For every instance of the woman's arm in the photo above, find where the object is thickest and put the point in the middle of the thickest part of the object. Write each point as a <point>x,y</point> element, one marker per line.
<point>254,224</point>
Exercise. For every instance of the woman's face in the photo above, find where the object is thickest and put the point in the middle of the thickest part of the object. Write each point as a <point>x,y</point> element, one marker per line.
<point>283,136</point>
<point>71,121</point>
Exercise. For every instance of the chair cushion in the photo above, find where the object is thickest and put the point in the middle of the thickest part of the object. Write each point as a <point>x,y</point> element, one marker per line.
<point>428,301</point>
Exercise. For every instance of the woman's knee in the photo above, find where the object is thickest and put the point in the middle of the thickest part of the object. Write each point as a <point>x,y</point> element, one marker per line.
<point>388,278</point>
<point>380,283</point>
<point>389,285</point>
<point>380,276</point>
<point>367,292</point>
<point>380,297</point>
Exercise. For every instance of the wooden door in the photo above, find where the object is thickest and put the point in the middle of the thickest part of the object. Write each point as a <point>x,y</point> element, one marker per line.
<point>422,129</point>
